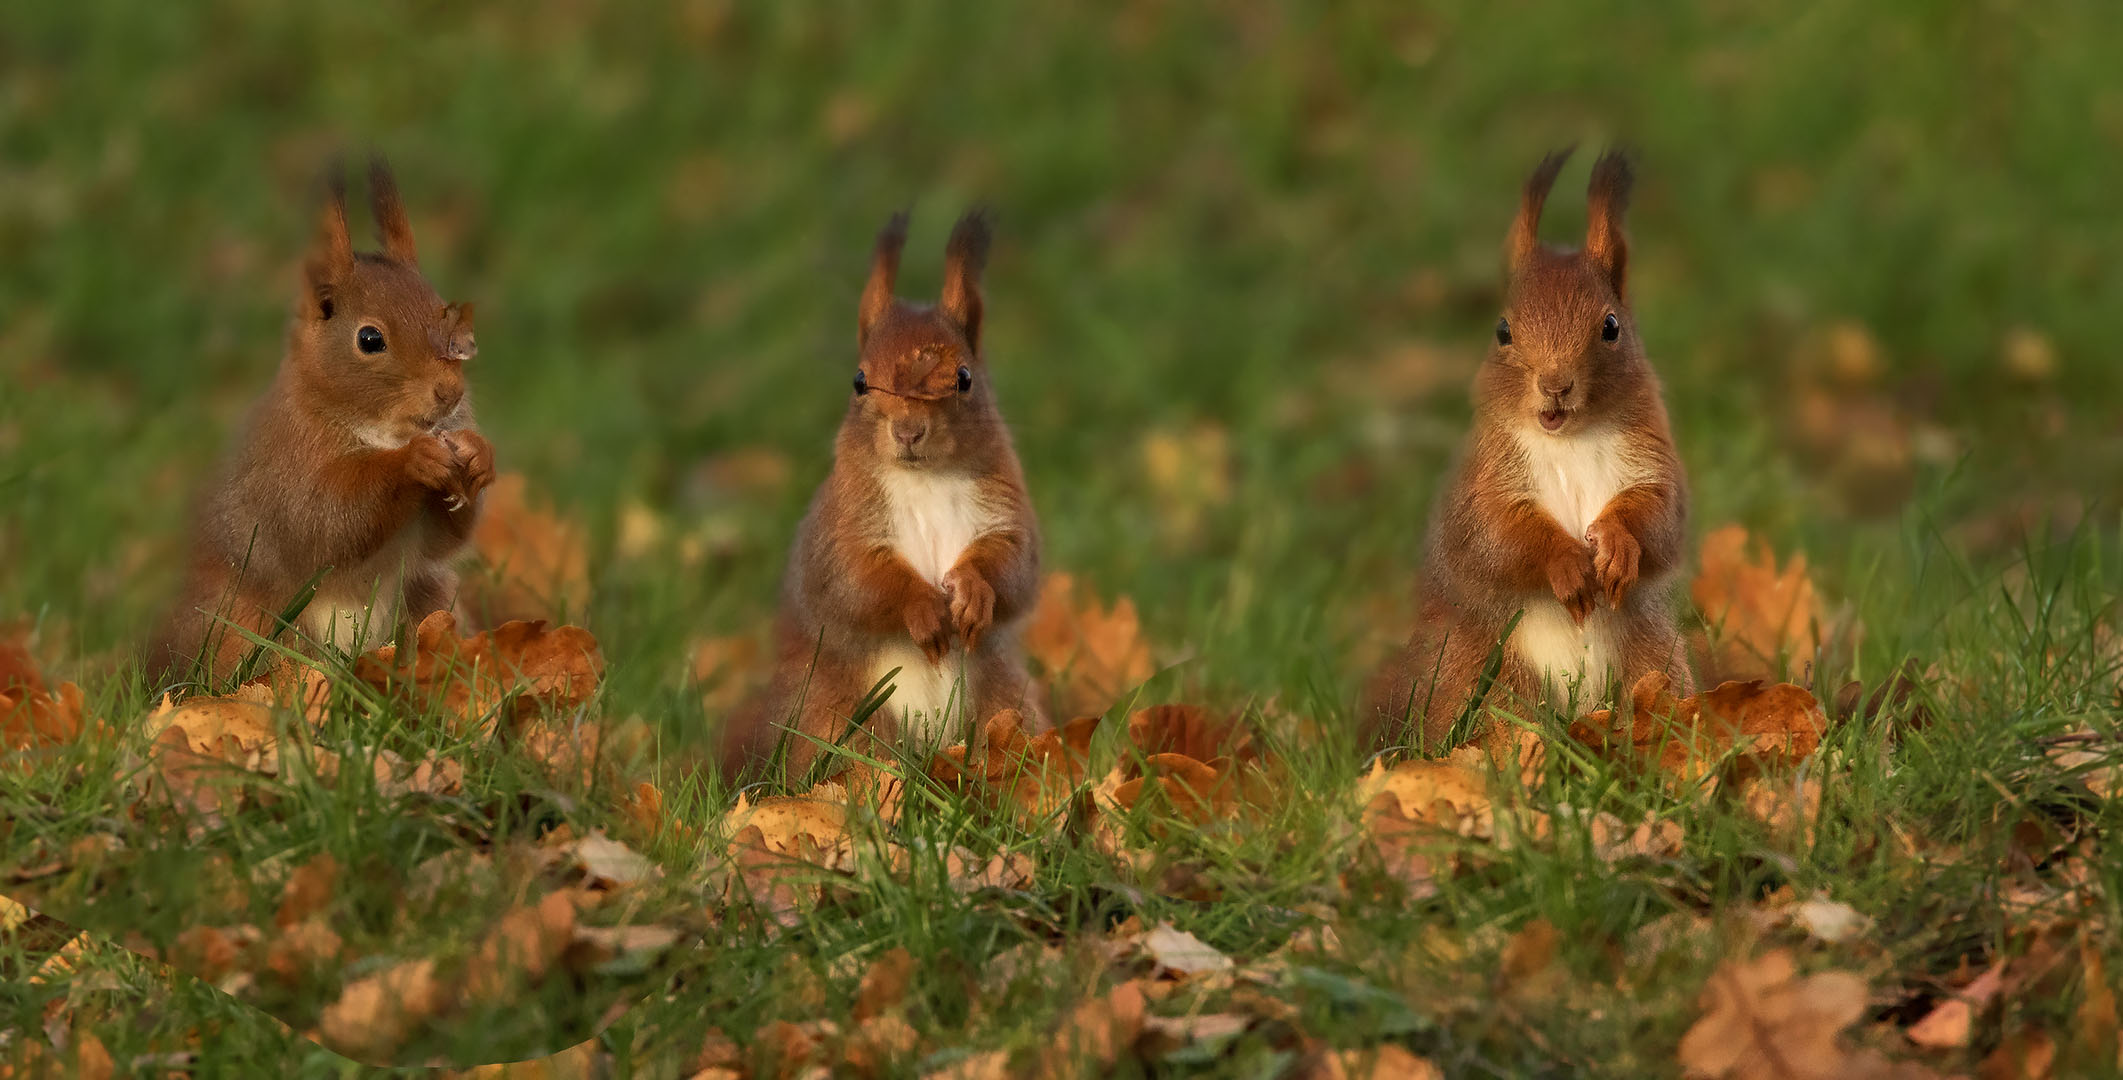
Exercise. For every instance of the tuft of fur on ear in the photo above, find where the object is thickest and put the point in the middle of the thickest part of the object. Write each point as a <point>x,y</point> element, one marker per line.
<point>1525,237</point>
<point>331,253</point>
<point>392,225</point>
<point>1606,200</point>
<point>884,271</point>
<point>965,257</point>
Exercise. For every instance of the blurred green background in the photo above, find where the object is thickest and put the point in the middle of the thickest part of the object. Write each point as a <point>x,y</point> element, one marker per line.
<point>1248,255</point>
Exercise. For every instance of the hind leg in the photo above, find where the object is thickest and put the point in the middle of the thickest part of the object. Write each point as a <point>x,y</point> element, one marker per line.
<point>997,680</point>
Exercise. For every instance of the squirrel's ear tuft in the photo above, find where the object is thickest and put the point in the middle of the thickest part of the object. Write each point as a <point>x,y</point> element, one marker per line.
<point>331,254</point>
<point>965,257</point>
<point>884,271</point>
<point>1606,200</point>
<point>392,225</point>
<point>1525,237</point>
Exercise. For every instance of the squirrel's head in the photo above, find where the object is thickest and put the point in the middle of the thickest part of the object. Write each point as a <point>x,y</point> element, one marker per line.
<point>1566,351</point>
<point>373,341</point>
<point>921,396</point>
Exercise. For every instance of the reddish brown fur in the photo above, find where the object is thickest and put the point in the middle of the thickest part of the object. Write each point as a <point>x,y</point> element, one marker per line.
<point>1492,547</point>
<point>850,592</point>
<point>368,463</point>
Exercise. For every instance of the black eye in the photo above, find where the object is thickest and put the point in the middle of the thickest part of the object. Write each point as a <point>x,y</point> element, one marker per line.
<point>1611,328</point>
<point>862,385</point>
<point>370,339</point>
<point>1503,332</point>
<point>965,378</point>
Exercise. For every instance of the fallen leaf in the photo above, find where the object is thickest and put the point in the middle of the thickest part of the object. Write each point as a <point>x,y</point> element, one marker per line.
<point>1758,614</point>
<point>373,1015</point>
<point>1386,1061</point>
<point>1097,1032</point>
<point>520,948</point>
<point>1686,739</point>
<point>606,863</point>
<point>1032,776</point>
<point>308,890</point>
<point>531,564</point>
<point>884,984</point>
<point>1089,654</point>
<point>1830,920</point>
<point>1177,952</point>
<point>32,715</point>
<point>522,665</point>
<point>1762,1020</point>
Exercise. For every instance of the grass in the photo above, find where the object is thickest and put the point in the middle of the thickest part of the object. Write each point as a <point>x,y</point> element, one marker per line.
<point>1256,223</point>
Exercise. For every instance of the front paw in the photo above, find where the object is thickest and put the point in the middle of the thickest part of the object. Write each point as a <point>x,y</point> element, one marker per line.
<point>1616,558</point>
<point>431,464</point>
<point>972,603</point>
<point>1570,577</point>
<point>475,464</point>
<point>928,618</point>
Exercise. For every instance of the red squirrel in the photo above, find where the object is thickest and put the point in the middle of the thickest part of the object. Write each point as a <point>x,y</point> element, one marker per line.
<point>1567,505</point>
<point>362,458</point>
<point>920,551</point>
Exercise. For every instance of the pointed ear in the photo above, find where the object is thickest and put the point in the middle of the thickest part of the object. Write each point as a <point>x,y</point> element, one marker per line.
<point>884,271</point>
<point>392,226</point>
<point>331,254</point>
<point>460,345</point>
<point>1525,237</point>
<point>964,258</point>
<point>1605,203</point>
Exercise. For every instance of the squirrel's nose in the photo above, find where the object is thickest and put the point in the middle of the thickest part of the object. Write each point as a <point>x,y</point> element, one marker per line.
<point>910,434</point>
<point>447,395</point>
<point>1556,385</point>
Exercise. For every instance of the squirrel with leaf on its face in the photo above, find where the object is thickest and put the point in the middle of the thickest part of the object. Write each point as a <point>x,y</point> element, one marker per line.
<point>361,463</point>
<point>920,553</point>
<point>1567,507</point>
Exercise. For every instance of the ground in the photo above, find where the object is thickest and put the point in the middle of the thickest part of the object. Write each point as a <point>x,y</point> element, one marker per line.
<point>1247,259</point>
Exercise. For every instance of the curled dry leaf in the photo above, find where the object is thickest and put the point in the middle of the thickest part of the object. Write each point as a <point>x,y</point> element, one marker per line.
<point>33,715</point>
<point>1687,738</point>
<point>1089,654</point>
<point>523,666</point>
<point>1758,615</point>
<point>1386,1061</point>
<point>1097,1032</point>
<point>1762,1020</point>
<point>375,1014</point>
<point>605,863</point>
<point>1032,776</point>
<point>531,564</point>
<point>1176,953</point>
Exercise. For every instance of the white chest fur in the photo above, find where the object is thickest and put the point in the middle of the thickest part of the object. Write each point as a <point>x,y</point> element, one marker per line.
<point>933,519</point>
<point>1572,477</point>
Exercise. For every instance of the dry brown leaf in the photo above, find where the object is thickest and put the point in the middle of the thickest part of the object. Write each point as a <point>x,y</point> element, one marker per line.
<point>1192,731</point>
<point>1089,654</point>
<point>520,948</point>
<point>985,1065</point>
<point>1789,805</point>
<point>2027,1054</point>
<point>1178,953</point>
<point>1687,738</point>
<point>606,863</point>
<point>531,563</point>
<point>1032,776</point>
<point>884,984</point>
<point>1386,1061</point>
<point>1758,614</point>
<point>32,715</point>
<point>308,890</point>
<point>303,949</point>
<point>469,679</point>
<point>373,1015</point>
<point>1763,1021</point>
<point>1097,1032</point>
